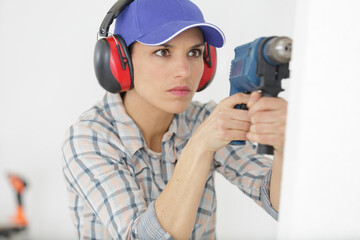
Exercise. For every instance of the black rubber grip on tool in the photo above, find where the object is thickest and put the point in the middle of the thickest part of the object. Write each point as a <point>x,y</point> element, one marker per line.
<point>265,149</point>
<point>242,106</point>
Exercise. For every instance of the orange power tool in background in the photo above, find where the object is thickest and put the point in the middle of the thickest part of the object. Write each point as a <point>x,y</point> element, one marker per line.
<point>19,222</point>
<point>19,185</point>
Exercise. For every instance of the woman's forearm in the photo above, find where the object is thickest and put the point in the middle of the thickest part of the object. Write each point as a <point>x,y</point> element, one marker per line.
<point>275,182</point>
<point>177,205</point>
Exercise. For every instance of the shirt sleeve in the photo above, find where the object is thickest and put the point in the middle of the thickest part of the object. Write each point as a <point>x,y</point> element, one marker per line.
<point>247,170</point>
<point>96,169</point>
<point>265,196</point>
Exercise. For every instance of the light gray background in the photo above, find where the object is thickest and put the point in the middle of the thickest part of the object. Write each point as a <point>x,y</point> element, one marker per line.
<point>321,181</point>
<point>47,80</point>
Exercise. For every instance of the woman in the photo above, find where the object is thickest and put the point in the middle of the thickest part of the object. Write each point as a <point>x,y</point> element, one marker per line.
<point>140,165</point>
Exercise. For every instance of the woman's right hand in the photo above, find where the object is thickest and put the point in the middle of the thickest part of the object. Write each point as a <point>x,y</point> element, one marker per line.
<point>224,124</point>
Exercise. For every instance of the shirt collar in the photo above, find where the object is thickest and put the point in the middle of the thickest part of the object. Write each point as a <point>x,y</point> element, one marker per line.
<point>130,133</point>
<point>179,126</point>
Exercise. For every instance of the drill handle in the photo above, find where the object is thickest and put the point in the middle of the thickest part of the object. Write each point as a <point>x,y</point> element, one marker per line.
<point>266,149</point>
<point>242,106</point>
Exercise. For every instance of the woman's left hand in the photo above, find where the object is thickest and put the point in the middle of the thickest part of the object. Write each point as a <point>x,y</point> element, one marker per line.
<point>268,120</point>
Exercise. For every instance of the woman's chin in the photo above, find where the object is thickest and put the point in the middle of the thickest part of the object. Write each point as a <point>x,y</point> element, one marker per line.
<point>177,107</point>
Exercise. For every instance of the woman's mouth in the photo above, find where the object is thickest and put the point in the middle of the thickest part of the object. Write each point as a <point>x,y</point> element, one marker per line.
<point>180,91</point>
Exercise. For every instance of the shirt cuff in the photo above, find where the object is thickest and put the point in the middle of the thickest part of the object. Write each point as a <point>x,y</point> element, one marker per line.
<point>265,196</point>
<point>149,226</point>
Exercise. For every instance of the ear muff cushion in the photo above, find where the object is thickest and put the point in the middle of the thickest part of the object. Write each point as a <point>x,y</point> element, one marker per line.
<point>102,67</point>
<point>113,74</point>
<point>209,69</point>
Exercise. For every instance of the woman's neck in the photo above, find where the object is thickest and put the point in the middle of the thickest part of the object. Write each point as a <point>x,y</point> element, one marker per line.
<point>152,121</point>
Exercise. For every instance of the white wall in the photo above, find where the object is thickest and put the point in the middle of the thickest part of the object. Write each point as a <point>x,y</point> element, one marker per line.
<point>47,80</point>
<point>321,180</point>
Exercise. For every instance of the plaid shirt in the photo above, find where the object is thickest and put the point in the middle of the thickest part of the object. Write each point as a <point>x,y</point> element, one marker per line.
<point>113,178</point>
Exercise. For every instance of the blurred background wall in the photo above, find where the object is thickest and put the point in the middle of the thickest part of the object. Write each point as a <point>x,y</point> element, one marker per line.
<point>47,80</point>
<point>321,181</point>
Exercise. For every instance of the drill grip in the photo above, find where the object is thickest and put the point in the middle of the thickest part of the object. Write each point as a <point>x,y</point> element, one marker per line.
<point>243,107</point>
<point>266,149</point>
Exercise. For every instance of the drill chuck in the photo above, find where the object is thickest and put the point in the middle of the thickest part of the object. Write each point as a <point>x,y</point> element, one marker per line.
<point>278,50</point>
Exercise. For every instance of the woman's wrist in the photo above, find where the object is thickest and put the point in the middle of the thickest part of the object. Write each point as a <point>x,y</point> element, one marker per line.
<point>197,143</point>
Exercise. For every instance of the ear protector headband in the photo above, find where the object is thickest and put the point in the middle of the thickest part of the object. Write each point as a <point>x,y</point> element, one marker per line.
<point>112,58</point>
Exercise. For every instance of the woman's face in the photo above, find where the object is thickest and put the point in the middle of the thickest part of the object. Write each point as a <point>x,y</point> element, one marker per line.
<point>167,76</point>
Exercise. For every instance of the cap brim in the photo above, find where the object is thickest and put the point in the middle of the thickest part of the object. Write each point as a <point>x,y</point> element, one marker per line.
<point>212,34</point>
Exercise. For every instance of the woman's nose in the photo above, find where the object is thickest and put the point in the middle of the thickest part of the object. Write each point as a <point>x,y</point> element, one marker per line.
<point>182,67</point>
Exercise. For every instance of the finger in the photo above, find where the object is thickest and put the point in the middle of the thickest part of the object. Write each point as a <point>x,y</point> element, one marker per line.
<point>254,97</point>
<point>267,128</point>
<point>268,117</point>
<point>267,139</point>
<point>235,99</point>
<point>238,125</point>
<point>234,134</point>
<point>239,114</point>
<point>232,119</point>
<point>268,104</point>
<point>225,114</point>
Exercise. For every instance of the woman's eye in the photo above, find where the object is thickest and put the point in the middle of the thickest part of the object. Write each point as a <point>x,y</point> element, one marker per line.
<point>162,52</point>
<point>195,53</point>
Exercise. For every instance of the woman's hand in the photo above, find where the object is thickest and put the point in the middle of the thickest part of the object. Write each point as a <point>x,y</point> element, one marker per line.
<point>264,122</point>
<point>224,124</point>
<point>268,124</point>
<point>268,120</point>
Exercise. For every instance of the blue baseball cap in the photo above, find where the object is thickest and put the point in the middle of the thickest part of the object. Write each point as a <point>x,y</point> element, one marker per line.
<point>155,22</point>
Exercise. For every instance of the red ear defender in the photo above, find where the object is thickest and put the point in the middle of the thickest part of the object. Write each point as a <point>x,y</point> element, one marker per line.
<point>113,65</point>
<point>209,67</point>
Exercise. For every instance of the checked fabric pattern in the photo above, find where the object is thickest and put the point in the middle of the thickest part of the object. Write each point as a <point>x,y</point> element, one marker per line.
<point>113,178</point>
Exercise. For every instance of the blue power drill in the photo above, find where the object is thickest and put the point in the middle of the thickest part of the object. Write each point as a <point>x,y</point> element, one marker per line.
<point>260,65</point>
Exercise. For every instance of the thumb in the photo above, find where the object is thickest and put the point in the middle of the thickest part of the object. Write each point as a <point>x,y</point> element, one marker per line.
<point>254,97</point>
